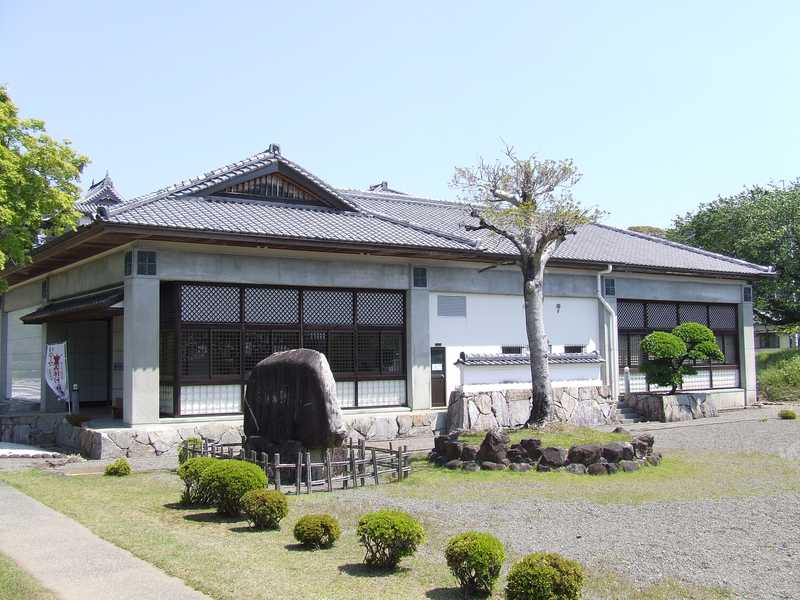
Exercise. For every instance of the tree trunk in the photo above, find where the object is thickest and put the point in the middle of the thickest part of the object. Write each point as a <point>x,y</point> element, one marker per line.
<point>533,292</point>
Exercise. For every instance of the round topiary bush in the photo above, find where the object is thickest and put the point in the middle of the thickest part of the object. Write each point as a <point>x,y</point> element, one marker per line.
<point>388,536</point>
<point>787,414</point>
<point>475,559</point>
<point>119,468</point>
<point>264,508</point>
<point>190,473</point>
<point>545,576</point>
<point>184,454</point>
<point>226,481</point>
<point>317,531</point>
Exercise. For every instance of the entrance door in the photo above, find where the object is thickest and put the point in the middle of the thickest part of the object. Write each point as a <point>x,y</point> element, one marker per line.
<point>438,378</point>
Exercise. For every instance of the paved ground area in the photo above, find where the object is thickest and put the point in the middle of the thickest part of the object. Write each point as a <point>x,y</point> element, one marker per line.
<point>12,450</point>
<point>70,560</point>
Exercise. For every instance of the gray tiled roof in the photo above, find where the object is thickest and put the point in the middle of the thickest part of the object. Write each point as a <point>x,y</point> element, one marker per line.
<point>504,360</point>
<point>102,193</point>
<point>384,217</point>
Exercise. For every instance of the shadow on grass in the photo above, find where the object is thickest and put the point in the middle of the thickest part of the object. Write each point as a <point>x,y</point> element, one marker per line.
<point>212,517</point>
<point>362,570</point>
<point>180,506</point>
<point>298,548</point>
<point>447,594</point>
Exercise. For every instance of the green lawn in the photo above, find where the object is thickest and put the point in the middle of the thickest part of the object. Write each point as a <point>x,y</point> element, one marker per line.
<point>16,584</point>
<point>559,436</point>
<point>226,560</point>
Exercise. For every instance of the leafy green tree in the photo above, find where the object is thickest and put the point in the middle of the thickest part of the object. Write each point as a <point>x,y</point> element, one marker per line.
<point>760,225</point>
<point>649,230</point>
<point>38,184</point>
<point>529,203</point>
<point>671,355</point>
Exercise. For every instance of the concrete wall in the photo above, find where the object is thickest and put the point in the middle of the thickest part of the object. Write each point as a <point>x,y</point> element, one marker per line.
<point>102,272</point>
<point>140,373</point>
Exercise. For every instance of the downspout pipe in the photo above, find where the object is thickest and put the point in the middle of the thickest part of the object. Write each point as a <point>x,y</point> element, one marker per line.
<point>612,359</point>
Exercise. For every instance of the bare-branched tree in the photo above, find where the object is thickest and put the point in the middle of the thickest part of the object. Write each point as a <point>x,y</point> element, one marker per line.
<point>528,202</point>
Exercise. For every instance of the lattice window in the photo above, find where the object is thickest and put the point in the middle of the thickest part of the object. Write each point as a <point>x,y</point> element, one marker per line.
<point>257,347</point>
<point>369,347</point>
<point>195,353</point>
<point>728,343</point>
<point>209,304</point>
<point>285,340</point>
<point>272,305</point>
<point>630,315</point>
<point>380,308</point>
<point>340,352</point>
<point>722,316</point>
<point>693,313</point>
<point>225,353</point>
<point>270,186</point>
<point>316,340</point>
<point>661,316</point>
<point>327,307</point>
<point>391,353</point>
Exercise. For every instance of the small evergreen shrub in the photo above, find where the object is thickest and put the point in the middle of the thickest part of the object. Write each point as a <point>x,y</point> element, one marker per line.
<point>787,414</point>
<point>264,509</point>
<point>119,468</point>
<point>184,454</point>
<point>388,536</point>
<point>475,559</point>
<point>226,481</point>
<point>317,531</point>
<point>668,357</point>
<point>190,473</point>
<point>545,576</point>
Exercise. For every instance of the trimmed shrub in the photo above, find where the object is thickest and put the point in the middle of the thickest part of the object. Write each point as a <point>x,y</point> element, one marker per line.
<point>388,536</point>
<point>183,453</point>
<point>119,468</point>
<point>545,576</point>
<point>475,559</point>
<point>226,481</point>
<point>317,531</point>
<point>787,414</point>
<point>264,509</point>
<point>190,473</point>
<point>668,357</point>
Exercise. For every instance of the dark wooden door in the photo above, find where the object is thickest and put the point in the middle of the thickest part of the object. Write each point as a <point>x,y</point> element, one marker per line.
<point>438,378</point>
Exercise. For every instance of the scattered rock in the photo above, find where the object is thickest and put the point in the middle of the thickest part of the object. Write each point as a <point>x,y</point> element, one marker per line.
<point>494,446</point>
<point>612,468</point>
<point>597,469</point>
<point>520,467</point>
<point>621,429</point>
<point>488,465</point>
<point>543,468</point>
<point>553,457</point>
<point>452,449</point>
<point>585,454</point>
<point>469,453</point>
<point>654,459</point>
<point>614,451</point>
<point>629,465</point>
<point>643,444</point>
<point>517,455</point>
<point>454,464</point>
<point>471,467</point>
<point>576,468</point>
<point>438,443</point>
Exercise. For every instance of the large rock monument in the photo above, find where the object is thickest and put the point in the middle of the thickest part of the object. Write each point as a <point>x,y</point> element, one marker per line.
<point>290,405</point>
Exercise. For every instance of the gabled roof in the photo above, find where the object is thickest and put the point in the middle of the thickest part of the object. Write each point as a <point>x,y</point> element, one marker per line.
<point>102,193</point>
<point>380,219</point>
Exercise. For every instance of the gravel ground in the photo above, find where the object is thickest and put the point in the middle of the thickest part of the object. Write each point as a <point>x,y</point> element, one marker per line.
<point>750,545</point>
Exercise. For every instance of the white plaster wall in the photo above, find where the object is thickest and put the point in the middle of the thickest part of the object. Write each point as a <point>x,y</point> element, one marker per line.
<point>561,375</point>
<point>495,320</point>
<point>24,356</point>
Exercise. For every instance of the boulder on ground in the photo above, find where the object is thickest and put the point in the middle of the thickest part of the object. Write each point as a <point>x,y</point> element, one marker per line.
<point>621,429</point>
<point>453,449</point>
<point>517,455</point>
<point>471,467</point>
<point>438,443</point>
<point>520,467</point>
<point>488,465</point>
<point>454,464</point>
<point>530,444</point>
<point>553,457</point>
<point>576,468</point>
<point>585,454</point>
<point>614,451</point>
<point>597,469</point>
<point>494,446</point>
<point>469,453</point>
<point>629,465</point>
<point>654,459</point>
<point>543,468</point>
<point>612,467</point>
<point>643,444</point>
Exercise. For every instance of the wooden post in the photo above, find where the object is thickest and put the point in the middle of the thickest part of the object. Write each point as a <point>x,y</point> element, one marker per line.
<point>399,465</point>
<point>405,461</point>
<point>230,452</point>
<point>353,472</point>
<point>205,448</point>
<point>308,472</point>
<point>277,467</point>
<point>362,454</point>
<point>328,469</point>
<point>299,474</point>
<point>375,467</point>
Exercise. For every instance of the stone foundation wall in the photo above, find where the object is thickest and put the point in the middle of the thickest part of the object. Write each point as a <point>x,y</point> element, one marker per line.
<point>484,411</point>
<point>668,408</point>
<point>35,429</point>
<point>382,428</point>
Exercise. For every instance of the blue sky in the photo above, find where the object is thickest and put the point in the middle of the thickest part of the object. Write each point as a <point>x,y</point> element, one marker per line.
<point>662,105</point>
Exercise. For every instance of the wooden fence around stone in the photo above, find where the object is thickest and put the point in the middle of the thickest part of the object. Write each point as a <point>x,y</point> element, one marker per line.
<point>358,465</point>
